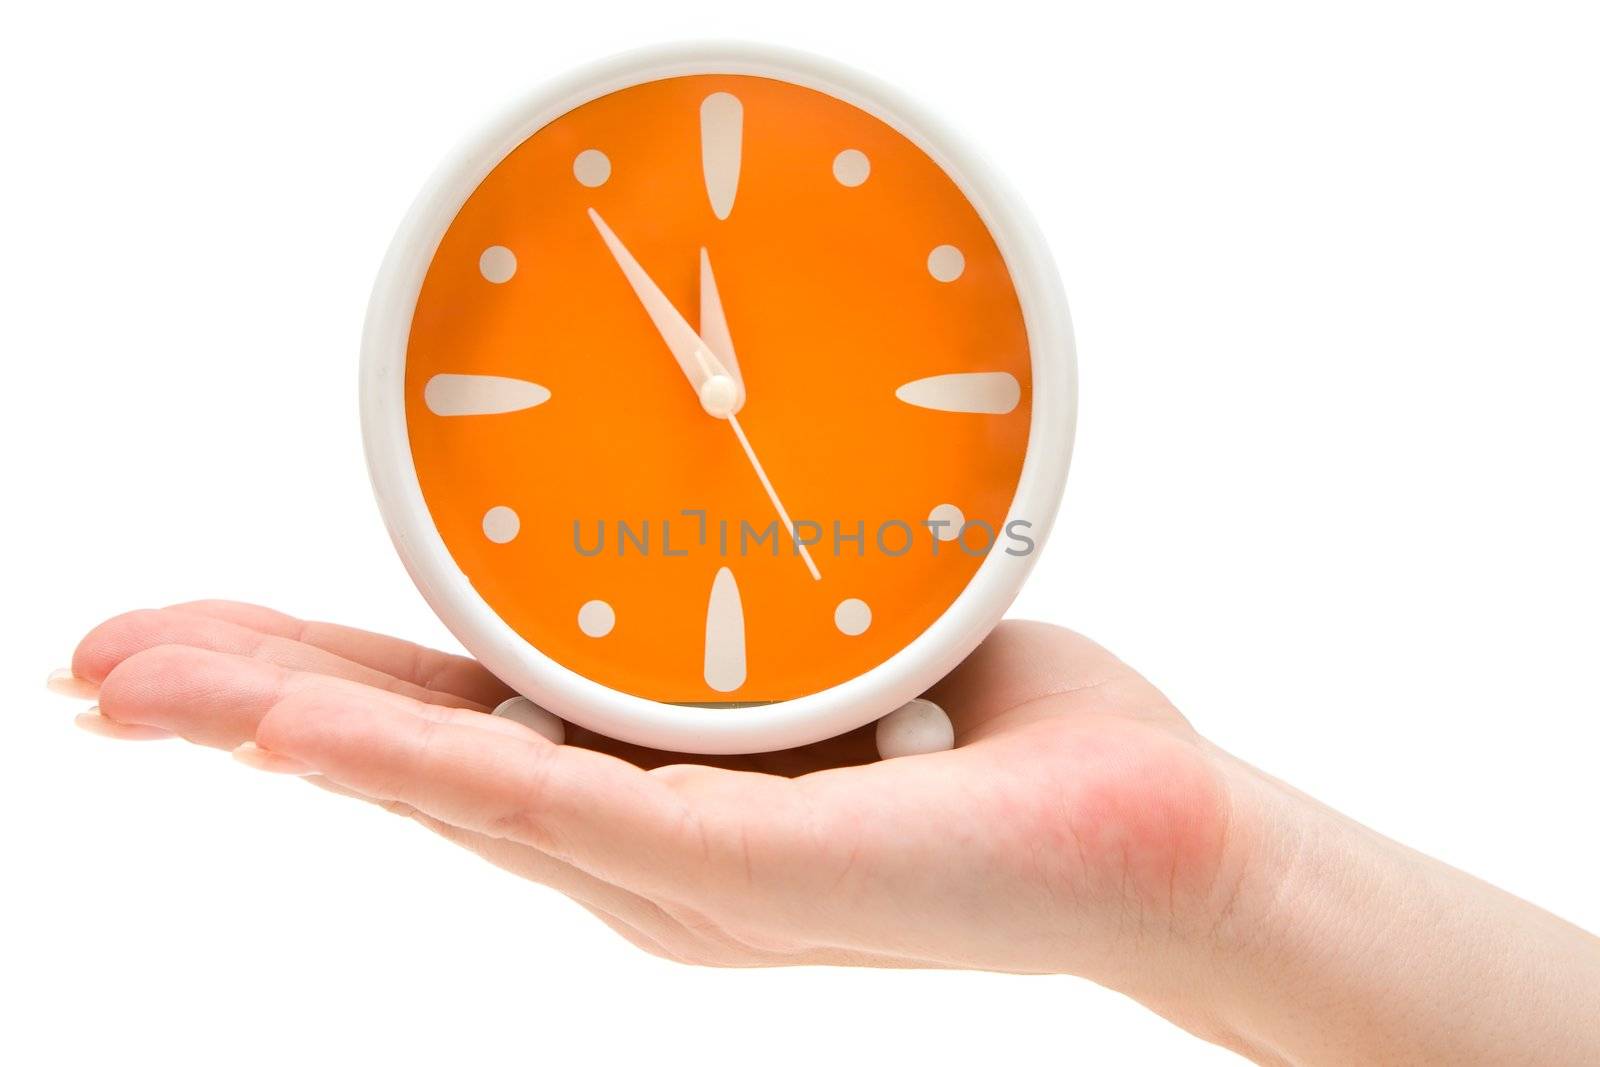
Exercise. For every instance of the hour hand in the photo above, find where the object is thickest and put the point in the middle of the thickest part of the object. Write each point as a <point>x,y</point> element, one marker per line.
<point>716,389</point>
<point>714,325</point>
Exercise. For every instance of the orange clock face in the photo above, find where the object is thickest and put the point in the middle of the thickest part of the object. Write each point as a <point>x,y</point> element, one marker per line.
<point>718,390</point>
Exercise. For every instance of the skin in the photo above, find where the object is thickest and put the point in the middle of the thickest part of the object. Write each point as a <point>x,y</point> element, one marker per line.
<point>1080,826</point>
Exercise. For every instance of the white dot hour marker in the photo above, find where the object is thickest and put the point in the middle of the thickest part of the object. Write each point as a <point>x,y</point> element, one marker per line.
<point>592,167</point>
<point>596,618</point>
<point>952,520</point>
<point>851,167</point>
<point>497,264</point>
<point>500,524</point>
<point>721,143</point>
<point>724,664</point>
<point>852,617</point>
<point>980,393</point>
<point>481,394</point>
<point>946,263</point>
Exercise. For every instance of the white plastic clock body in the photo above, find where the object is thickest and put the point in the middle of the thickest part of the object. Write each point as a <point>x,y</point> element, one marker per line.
<point>719,399</point>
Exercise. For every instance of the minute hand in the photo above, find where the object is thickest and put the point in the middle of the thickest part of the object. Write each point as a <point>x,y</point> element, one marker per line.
<point>694,358</point>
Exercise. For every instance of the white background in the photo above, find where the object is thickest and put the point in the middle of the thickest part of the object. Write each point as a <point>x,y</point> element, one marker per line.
<point>1334,276</point>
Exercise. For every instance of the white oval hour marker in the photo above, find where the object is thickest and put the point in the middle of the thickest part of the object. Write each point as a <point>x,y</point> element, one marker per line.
<point>951,517</point>
<point>851,167</point>
<point>852,617</point>
<point>596,618</point>
<point>481,394</point>
<point>592,167</point>
<point>946,263</point>
<point>724,665</point>
<point>500,524</point>
<point>980,393</point>
<point>721,145</point>
<point>497,264</point>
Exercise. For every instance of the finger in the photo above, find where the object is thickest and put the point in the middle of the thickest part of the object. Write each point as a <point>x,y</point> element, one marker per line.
<point>442,672</point>
<point>602,815</point>
<point>438,672</point>
<point>115,640</point>
<point>243,629</point>
<point>218,698</point>
<point>93,722</point>
<point>638,920</point>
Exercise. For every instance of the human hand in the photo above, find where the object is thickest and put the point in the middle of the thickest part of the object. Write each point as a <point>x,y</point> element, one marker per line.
<point>1079,826</point>
<point>819,854</point>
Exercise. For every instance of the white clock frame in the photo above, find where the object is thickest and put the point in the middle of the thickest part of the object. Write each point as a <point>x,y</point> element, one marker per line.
<point>688,728</point>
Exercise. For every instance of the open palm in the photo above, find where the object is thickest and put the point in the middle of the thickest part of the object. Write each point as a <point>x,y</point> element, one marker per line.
<point>1078,821</point>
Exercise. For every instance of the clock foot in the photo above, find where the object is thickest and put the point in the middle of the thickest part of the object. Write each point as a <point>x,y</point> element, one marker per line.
<point>915,728</point>
<point>535,718</point>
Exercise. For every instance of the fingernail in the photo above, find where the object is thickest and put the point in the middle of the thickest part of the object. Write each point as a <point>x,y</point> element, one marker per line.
<point>253,755</point>
<point>63,682</point>
<point>96,723</point>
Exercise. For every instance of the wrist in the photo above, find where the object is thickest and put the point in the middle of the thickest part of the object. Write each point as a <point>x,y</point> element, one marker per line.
<point>1268,908</point>
<point>1329,943</point>
<point>1295,908</point>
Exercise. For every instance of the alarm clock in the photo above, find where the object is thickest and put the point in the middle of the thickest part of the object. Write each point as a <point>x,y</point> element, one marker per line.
<point>719,399</point>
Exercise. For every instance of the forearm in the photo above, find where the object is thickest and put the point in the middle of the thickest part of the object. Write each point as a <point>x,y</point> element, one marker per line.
<point>1340,946</point>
